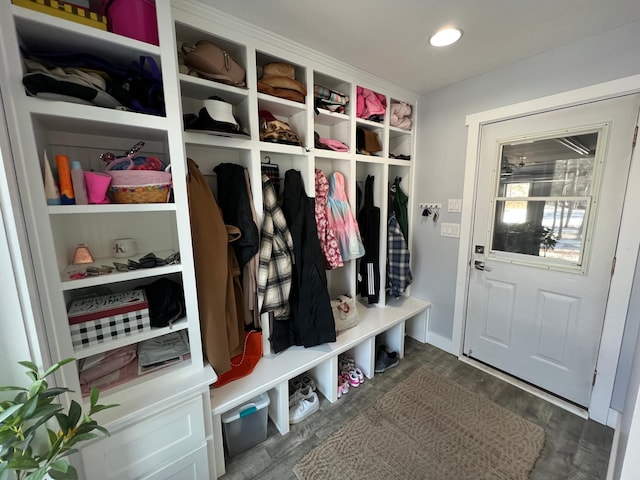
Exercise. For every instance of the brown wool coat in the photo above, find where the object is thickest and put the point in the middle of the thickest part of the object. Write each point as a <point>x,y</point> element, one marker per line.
<point>217,274</point>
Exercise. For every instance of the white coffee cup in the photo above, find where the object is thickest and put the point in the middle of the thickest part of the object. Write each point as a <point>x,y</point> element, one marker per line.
<point>124,247</point>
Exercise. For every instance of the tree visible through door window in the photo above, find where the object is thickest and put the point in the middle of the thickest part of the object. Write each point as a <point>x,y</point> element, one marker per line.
<point>544,193</point>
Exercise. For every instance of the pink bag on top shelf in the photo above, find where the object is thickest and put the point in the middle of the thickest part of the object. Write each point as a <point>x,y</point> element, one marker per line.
<point>369,103</point>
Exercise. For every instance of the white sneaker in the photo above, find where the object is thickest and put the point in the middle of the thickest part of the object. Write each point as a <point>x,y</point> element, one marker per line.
<point>304,407</point>
<point>303,392</point>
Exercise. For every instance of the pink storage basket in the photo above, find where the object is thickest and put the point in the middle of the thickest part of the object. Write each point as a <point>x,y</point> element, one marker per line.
<point>129,178</point>
<point>133,18</point>
<point>139,186</point>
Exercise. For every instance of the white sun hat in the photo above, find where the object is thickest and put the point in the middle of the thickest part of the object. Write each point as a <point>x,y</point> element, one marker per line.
<point>219,110</point>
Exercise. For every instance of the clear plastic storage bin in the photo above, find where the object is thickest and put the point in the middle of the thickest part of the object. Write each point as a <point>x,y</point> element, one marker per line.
<point>246,425</point>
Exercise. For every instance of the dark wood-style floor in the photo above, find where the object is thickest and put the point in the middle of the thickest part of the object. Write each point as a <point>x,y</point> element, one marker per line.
<point>575,448</point>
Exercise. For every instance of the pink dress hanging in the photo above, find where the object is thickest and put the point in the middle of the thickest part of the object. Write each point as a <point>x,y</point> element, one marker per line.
<point>326,235</point>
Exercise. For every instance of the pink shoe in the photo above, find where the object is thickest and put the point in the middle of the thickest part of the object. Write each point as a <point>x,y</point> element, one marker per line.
<point>343,386</point>
<point>351,377</point>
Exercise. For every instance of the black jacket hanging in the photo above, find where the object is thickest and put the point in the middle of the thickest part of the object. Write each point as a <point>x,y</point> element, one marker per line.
<point>311,316</point>
<point>234,201</point>
<point>369,222</point>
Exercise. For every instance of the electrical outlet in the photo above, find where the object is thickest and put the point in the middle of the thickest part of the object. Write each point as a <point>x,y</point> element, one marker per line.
<point>450,230</point>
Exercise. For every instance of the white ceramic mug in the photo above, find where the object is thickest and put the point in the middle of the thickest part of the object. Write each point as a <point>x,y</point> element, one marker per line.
<point>124,247</point>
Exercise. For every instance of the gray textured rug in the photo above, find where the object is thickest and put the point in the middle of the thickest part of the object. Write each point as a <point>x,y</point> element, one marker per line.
<point>428,428</point>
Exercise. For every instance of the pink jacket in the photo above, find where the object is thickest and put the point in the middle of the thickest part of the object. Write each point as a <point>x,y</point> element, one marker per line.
<point>369,103</point>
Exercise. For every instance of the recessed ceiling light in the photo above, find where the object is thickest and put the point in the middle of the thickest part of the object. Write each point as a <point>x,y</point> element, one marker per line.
<point>445,37</point>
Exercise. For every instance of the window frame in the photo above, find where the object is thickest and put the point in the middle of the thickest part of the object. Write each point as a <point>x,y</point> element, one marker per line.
<point>591,201</point>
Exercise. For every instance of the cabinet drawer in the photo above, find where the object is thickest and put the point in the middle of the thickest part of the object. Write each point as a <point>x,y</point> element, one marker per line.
<point>194,466</point>
<point>140,449</point>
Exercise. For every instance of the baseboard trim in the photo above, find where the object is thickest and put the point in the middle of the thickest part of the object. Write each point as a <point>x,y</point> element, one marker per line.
<point>570,407</point>
<point>440,342</point>
<point>612,418</point>
<point>615,445</point>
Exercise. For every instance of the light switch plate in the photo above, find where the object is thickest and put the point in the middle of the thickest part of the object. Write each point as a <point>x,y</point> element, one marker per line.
<point>455,205</point>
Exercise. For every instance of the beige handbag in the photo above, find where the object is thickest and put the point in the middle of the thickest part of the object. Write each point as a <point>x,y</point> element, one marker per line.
<point>345,312</point>
<point>211,62</point>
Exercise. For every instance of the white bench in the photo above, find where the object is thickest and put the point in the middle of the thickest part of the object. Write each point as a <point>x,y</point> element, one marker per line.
<point>400,317</point>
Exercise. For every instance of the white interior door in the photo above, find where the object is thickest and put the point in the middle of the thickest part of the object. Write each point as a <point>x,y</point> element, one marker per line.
<point>550,192</point>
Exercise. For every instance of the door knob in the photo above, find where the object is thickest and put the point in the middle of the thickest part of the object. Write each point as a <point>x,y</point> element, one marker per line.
<point>478,265</point>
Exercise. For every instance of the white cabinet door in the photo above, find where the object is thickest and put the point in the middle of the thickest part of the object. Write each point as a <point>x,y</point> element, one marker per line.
<point>156,441</point>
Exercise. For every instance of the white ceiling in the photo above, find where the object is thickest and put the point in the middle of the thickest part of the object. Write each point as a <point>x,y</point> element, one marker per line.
<point>389,38</point>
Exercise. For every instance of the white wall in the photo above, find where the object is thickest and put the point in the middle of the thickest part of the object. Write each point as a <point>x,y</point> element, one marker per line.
<point>628,347</point>
<point>627,461</point>
<point>441,147</point>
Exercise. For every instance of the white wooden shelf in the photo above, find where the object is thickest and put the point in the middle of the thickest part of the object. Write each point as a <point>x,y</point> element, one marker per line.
<point>113,277</point>
<point>399,162</point>
<point>361,122</point>
<point>45,32</point>
<point>272,147</point>
<point>273,370</point>
<point>91,120</point>
<point>195,87</point>
<point>370,158</point>
<point>142,380</point>
<point>111,208</point>
<point>194,138</point>
<point>320,153</point>
<point>128,340</point>
<point>326,117</point>
<point>395,131</point>
<point>280,107</point>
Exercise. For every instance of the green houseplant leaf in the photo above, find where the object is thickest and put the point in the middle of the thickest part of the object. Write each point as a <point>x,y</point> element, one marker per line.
<point>33,410</point>
<point>9,411</point>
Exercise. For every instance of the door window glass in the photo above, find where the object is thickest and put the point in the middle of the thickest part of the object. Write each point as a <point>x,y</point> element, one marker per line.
<point>544,193</point>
